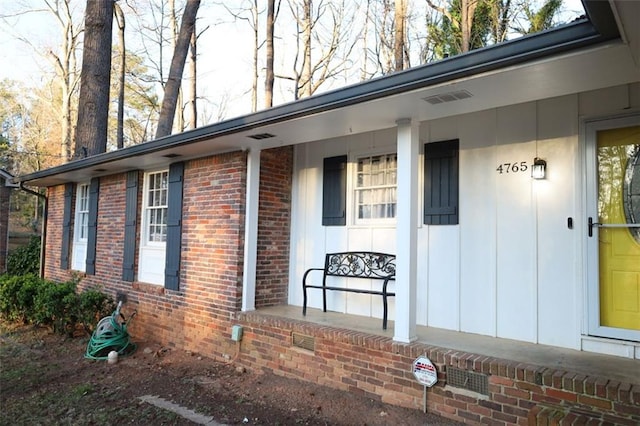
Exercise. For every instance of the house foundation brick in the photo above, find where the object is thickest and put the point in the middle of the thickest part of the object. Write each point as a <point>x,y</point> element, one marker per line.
<point>511,401</point>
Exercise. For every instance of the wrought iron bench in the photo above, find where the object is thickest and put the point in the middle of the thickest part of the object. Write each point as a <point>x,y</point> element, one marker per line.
<point>369,265</point>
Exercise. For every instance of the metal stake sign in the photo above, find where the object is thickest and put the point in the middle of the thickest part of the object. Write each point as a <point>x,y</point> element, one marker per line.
<point>425,372</point>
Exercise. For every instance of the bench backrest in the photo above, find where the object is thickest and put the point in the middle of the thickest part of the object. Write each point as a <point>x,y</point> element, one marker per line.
<point>360,265</point>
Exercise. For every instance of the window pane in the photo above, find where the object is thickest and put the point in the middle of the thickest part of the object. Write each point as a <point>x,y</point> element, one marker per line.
<point>156,211</point>
<point>82,212</point>
<point>376,186</point>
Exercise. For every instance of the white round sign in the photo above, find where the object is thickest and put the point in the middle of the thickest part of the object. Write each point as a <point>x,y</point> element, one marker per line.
<point>424,371</point>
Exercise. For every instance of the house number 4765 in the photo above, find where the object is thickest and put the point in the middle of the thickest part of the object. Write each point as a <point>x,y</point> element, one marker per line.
<point>512,167</point>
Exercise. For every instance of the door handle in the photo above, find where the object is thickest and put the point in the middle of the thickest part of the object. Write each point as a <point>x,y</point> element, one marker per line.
<point>591,224</point>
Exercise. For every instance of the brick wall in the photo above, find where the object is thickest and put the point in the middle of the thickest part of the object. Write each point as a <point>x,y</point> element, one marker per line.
<point>198,317</point>
<point>380,369</point>
<point>274,226</point>
<point>53,241</point>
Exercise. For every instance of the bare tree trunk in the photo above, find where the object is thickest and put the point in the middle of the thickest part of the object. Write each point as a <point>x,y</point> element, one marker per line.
<point>121,74</point>
<point>468,9</point>
<point>172,87</point>
<point>65,146</point>
<point>365,47</point>
<point>398,48</point>
<point>305,90</point>
<point>65,66</point>
<point>268,86</point>
<point>331,40</point>
<point>93,107</point>
<point>175,33</point>
<point>193,71</point>
<point>254,77</point>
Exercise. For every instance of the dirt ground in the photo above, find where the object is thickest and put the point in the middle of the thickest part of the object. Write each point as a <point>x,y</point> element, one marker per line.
<point>45,379</point>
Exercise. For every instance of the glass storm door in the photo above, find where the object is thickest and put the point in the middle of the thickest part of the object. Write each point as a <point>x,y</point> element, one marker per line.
<point>614,231</point>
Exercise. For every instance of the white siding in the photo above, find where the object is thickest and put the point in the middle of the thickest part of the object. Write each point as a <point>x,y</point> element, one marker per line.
<point>515,223</point>
<point>478,223</point>
<point>559,291</point>
<point>439,278</point>
<point>512,268</point>
<point>443,277</point>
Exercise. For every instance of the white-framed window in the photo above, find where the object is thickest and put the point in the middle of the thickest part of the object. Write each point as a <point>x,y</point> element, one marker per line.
<point>375,188</point>
<point>82,212</point>
<point>153,231</point>
<point>80,228</point>
<point>155,207</point>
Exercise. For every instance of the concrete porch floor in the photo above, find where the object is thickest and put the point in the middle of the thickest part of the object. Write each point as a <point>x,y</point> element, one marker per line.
<point>587,363</point>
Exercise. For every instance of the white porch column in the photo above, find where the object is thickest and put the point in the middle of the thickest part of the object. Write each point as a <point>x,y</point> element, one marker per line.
<point>251,231</point>
<point>406,229</point>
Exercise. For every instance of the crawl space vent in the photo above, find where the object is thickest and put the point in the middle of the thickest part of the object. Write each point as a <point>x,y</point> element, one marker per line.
<point>468,380</point>
<point>304,342</point>
<point>448,97</point>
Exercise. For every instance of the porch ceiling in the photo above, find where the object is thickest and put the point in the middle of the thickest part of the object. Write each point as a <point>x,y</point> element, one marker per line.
<point>494,77</point>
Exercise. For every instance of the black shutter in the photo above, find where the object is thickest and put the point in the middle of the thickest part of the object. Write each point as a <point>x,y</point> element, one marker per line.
<point>334,191</point>
<point>130,222</point>
<point>441,183</point>
<point>66,226</point>
<point>174,227</point>
<point>92,229</point>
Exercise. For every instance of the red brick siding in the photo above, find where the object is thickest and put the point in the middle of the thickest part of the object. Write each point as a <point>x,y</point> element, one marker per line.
<point>53,241</point>
<point>199,315</point>
<point>110,234</point>
<point>274,226</point>
<point>381,369</point>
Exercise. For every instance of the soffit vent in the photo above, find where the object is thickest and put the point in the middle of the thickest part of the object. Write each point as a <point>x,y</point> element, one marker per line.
<point>475,382</point>
<point>448,97</point>
<point>304,342</point>
<point>259,136</point>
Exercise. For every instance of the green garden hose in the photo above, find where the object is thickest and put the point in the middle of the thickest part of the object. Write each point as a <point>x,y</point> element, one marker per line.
<point>110,335</point>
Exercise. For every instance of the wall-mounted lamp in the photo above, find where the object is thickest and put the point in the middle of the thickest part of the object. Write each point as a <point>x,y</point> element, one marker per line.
<point>539,168</point>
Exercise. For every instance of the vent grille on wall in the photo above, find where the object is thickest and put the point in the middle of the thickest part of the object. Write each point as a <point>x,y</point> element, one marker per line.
<point>304,342</point>
<point>259,136</point>
<point>448,97</point>
<point>469,380</point>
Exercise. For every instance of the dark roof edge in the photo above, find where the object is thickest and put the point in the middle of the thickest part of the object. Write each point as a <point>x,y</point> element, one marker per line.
<point>601,17</point>
<point>555,41</point>
<point>8,179</point>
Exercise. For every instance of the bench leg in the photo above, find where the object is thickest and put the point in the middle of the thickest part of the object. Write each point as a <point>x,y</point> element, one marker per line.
<point>384,311</point>
<point>324,300</point>
<point>304,301</point>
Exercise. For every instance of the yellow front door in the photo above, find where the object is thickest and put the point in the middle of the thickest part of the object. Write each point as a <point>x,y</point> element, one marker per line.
<point>618,178</point>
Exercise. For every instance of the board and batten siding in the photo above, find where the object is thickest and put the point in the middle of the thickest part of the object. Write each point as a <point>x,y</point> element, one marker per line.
<point>508,269</point>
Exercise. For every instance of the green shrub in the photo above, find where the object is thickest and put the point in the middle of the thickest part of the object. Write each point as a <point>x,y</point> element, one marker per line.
<point>26,259</point>
<point>9,288</point>
<point>55,306</point>
<point>17,294</point>
<point>93,305</point>
<point>30,299</point>
<point>31,286</point>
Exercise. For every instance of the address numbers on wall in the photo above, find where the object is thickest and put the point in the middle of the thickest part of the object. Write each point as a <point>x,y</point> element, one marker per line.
<point>515,167</point>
